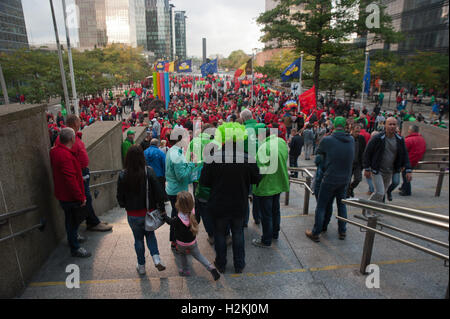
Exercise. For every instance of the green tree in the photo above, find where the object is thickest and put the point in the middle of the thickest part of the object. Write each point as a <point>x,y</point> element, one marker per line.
<point>322,29</point>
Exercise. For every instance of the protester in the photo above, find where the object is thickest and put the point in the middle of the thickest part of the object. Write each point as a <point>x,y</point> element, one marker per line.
<point>275,181</point>
<point>338,152</point>
<point>295,149</point>
<point>416,146</point>
<point>129,141</point>
<point>360,145</point>
<point>185,227</point>
<point>136,182</point>
<point>93,223</point>
<point>229,186</point>
<point>385,155</point>
<point>69,187</point>
<point>146,142</point>
<point>308,139</point>
<point>156,159</point>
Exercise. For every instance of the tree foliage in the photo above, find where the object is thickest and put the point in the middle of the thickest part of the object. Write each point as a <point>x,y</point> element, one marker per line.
<point>36,74</point>
<point>322,29</point>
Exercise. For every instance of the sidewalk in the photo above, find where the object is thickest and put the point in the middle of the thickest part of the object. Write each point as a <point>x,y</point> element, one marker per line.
<point>293,268</point>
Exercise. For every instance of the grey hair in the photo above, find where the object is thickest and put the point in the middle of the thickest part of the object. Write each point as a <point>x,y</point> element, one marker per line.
<point>415,128</point>
<point>67,134</point>
<point>154,142</point>
<point>246,115</point>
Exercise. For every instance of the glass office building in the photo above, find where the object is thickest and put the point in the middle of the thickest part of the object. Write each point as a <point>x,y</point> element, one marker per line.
<point>180,34</point>
<point>13,33</point>
<point>424,24</point>
<point>158,26</point>
<point>91,23</point>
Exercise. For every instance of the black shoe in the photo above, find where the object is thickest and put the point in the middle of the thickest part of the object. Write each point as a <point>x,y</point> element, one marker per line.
<point>324,230</point>
<point>404,194</point>
<point>389,196</point>
<point>238,270</point>
<point>257,221</point>
<point>342,236</point>
<point>246,226</point>
<point>220,269</point>
<point>215,274</point>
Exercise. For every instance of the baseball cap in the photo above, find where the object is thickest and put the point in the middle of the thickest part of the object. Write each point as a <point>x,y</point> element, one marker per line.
<point>130,132</point>
<point>340,122</point>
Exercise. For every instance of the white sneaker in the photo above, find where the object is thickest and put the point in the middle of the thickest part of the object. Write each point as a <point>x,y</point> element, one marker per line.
<point>140,269</point>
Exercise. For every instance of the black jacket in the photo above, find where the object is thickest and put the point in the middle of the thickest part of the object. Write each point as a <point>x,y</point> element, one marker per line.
<point>229,179</point>
<point>295,146</point>
<point>135,201</point>
<point>358,161</point>
<point>374,152</point>
<point>182,232</point>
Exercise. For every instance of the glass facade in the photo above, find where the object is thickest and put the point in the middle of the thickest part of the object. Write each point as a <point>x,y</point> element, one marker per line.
<point>92,23</point>
<point>423,22</point>
<point>158,26</point>
<point>13,33</point>
<point>180,35</point>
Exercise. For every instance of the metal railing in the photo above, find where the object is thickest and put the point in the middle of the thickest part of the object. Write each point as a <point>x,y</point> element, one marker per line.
<point>306,183</point>
<point>97,174</point>
<point>371,211</point>
<point>442,172</point>
<point>5,217</point>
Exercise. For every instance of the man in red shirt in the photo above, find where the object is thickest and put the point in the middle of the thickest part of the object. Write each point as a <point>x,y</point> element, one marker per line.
<point>69,188</point>
<point>416,146</point>
<point>79,150</point>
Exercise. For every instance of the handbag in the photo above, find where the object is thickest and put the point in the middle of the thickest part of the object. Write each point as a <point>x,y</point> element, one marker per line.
<point>153,219</point>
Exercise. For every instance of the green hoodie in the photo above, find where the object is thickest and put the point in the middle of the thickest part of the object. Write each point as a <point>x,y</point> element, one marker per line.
<point>277,182</point>
<point>252,126</point>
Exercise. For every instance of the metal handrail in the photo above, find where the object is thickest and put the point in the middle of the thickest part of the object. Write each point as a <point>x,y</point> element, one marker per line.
<point>302,183</point>
<point>403,241</point>
<point>105,172</point>
<point>102,184</point>
<point>39,226</point>
<point>420,220</point>
<point>18,212</point>
<point>424,171</point>
<point>402,209</point>
<point>440,149</point>
<point>431,240</point>
<point>433,162</point>
<point>305,170</point>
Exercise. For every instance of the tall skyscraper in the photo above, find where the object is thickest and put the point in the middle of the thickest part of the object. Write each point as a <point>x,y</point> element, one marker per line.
<point>158,26</point>
<point>111,21</point>
<point>13,33</point>
<point>180,34</point>
<point>424,23</point>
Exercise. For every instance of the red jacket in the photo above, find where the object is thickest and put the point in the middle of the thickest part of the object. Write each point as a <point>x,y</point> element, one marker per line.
<point>67,177</point>
<point>416,146</point>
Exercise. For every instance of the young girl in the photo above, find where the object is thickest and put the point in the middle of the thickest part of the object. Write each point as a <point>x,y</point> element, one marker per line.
<point>186,228</point>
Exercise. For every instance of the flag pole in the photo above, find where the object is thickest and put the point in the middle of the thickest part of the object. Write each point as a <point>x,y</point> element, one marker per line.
<point>364,81</point>
<point>217,83</point>
<point>251,89</point>
<point>300,81</point>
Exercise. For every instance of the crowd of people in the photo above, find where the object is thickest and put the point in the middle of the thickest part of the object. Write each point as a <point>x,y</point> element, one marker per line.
<point>202,132</point>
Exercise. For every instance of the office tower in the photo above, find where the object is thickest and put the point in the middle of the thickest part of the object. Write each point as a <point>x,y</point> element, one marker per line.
<point>157,15</point>
<point>424,24</point>
<point>180,34</point>
<point>13,33</point>
<point>92,23</point>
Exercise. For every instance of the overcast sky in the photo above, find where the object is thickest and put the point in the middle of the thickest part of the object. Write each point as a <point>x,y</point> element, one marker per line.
<point>227,25</point>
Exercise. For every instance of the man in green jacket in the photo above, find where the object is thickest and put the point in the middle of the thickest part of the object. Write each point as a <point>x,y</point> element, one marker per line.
<point>272,161</point>
<point>127,143</point>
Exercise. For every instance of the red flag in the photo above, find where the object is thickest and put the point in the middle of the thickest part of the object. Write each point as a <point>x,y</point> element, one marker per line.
<point>308,100</point>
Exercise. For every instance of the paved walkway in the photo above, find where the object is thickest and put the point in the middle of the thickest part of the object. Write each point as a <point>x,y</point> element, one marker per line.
<point>294,267</point>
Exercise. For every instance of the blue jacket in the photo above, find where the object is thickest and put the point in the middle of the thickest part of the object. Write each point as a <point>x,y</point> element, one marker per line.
<point>156,159</point>
<point>338,151</point>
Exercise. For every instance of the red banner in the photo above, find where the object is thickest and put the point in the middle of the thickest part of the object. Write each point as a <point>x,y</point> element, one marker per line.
<point>308,100</point>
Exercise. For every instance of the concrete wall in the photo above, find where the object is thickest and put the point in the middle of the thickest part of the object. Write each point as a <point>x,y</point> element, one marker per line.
<point>26,180</point>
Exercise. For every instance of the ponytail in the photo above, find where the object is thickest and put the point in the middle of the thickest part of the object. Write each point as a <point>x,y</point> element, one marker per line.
<point>193,224</point>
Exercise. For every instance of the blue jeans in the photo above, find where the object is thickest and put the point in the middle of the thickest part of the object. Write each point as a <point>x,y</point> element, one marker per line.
<point>71,230</point>
<point>327,194</point>
<point>395,182</point>
<point>370,183</point>
<point>221,226</point>
<point>271,217</point>
<point>137,225</point>
<point>91,220</point>
<point>256,210</point>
